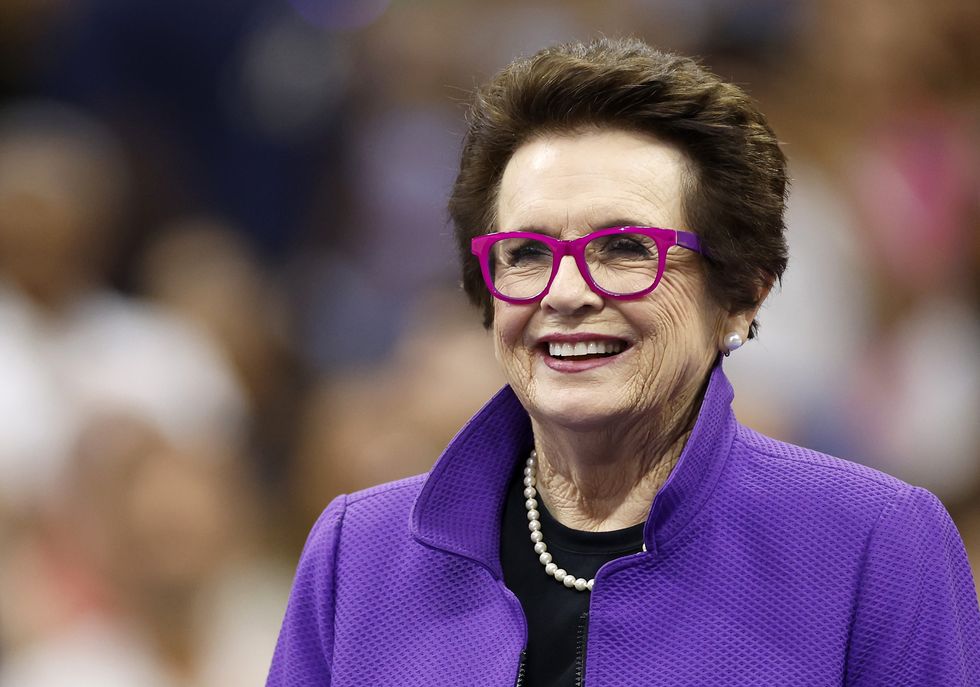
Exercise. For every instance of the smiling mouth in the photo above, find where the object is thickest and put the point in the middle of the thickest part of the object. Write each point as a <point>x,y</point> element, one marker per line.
<point>584,350</point>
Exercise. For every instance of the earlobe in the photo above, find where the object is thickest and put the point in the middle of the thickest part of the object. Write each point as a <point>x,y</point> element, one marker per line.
<point>733,340</point>
<point>738,324</point>
<point>736,330</point>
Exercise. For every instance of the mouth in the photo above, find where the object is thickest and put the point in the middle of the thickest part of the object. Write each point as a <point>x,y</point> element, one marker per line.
<point>586,349</point>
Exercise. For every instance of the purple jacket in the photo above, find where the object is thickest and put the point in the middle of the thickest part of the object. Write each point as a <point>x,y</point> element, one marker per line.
<point>766,564</point>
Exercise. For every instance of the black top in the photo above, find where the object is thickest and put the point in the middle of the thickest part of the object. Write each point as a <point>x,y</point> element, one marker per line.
<point>557,617</point>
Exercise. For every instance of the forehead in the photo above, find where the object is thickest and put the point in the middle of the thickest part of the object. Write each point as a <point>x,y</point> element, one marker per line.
<point>576,182</point>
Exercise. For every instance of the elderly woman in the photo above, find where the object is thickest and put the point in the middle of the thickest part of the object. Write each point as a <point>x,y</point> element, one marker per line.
<point>604,519</point>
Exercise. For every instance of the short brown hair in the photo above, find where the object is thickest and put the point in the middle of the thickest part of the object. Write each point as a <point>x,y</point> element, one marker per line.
<point>735,202</point>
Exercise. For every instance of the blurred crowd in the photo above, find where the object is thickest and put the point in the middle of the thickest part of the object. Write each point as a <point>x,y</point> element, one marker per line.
<point>228,287</point>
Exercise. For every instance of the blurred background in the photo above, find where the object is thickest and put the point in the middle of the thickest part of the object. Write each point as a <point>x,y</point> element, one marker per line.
<point>228,289</point>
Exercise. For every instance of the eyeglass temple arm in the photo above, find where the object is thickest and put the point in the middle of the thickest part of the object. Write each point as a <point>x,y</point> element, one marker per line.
<point>690,241</point>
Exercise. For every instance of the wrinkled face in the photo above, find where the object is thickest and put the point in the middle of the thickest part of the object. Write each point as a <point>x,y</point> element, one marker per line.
<point>658,348</point>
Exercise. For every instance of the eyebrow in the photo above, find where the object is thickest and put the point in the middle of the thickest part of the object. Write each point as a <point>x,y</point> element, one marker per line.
<point>548,231</point>
<point>622,223</point>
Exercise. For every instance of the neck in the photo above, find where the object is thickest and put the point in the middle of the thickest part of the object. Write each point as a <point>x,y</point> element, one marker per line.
<point>603,480</point>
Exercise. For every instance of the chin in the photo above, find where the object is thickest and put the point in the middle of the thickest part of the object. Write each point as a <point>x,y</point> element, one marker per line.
<point>577,408</point>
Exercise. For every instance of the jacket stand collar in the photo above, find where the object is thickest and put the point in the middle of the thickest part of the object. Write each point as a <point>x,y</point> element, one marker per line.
<point>459,507</point>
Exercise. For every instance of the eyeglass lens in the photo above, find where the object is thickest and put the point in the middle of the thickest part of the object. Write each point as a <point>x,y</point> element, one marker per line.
<point>621,263</point>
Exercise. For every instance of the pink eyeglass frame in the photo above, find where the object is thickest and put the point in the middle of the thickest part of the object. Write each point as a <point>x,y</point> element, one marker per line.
<point>480,246</point>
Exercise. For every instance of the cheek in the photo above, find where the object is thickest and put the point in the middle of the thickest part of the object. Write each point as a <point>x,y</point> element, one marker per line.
<point>509,324</point>
<point>677,338</point>
<point>686,316</point>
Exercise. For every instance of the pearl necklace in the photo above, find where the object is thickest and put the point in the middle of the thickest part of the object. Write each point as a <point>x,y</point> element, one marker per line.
<point>580,584</point>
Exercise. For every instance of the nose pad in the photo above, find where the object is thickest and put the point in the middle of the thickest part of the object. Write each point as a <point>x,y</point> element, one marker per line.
<point>569,290</point>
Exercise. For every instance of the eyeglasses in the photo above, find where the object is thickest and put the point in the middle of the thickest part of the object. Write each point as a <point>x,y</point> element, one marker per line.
<point>618,262</point>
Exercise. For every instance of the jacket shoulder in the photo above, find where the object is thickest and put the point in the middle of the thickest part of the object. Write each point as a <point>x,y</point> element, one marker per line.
<point>382,503</point>
<point>396,490</point>
<point>797,476</point>
<point>376,505</point>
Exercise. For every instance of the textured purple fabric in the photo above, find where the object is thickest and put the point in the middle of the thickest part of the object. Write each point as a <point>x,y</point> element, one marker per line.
<point>767,564</point>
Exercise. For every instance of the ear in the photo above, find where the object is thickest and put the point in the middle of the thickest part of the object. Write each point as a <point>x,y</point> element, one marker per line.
<point>739,322</point>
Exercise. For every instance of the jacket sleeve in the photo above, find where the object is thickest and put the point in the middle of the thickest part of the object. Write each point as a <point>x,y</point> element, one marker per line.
<point>304,652</point>
<point>916,617</point>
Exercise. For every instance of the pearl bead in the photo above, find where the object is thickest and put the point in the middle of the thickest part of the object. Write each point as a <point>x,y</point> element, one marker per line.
<point>534,524</point>
<point>733,340</point>
<point>589,584</point>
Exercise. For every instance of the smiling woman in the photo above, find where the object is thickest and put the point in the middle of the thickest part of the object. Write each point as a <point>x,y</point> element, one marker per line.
<point>605,519</point>
<point>568,185</point>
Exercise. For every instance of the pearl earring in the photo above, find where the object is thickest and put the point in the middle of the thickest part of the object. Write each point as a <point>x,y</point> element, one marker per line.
<point>733,340</point>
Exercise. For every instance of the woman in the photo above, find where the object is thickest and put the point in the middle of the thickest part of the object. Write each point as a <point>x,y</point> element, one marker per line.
<point>605,518</point>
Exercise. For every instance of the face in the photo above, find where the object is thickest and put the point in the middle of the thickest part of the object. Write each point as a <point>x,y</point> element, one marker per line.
<point>567,186</point>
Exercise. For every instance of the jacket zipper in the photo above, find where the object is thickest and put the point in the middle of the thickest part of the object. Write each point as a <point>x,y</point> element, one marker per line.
<point>521,669</point>
<point>582,638</point>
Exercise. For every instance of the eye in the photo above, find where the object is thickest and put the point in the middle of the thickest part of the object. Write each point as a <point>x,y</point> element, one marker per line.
<point>629,246</point>
<point>523,252</point>
<point>624,246</point>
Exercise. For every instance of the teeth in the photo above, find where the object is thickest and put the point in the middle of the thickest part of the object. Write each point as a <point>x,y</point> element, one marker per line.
<point>563,350</point>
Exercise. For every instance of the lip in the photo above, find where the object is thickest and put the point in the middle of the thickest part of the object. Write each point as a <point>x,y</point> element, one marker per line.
<point>572,366</point>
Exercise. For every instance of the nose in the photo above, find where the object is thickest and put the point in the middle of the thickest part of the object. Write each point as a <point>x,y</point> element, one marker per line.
<point>569,291</point>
